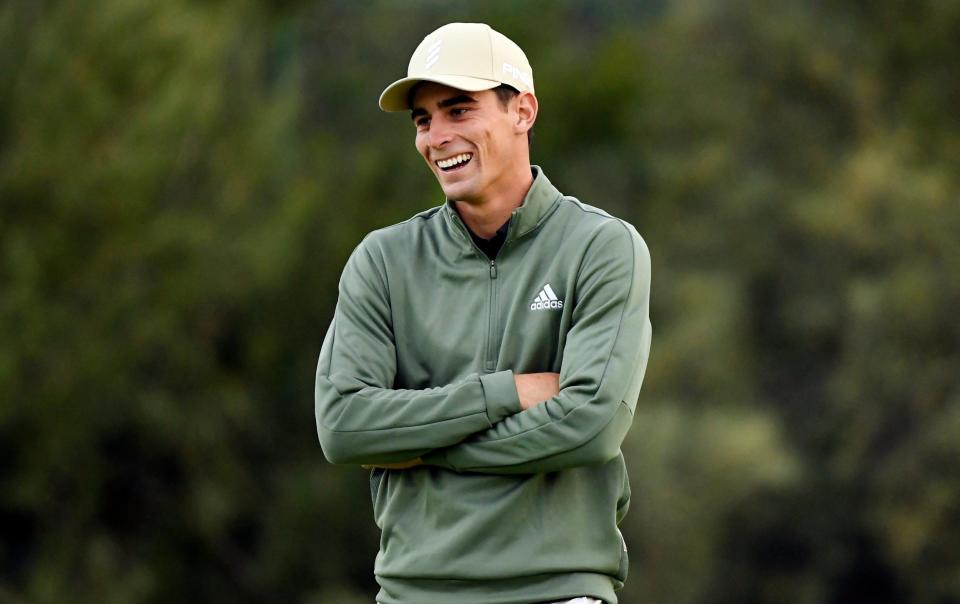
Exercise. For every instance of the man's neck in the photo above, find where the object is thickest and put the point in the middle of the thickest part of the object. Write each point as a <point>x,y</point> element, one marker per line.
<point>485,216</point>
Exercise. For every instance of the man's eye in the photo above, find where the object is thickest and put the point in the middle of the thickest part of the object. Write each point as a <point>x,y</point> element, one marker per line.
<point>422,122</point>
<point>456,111</point>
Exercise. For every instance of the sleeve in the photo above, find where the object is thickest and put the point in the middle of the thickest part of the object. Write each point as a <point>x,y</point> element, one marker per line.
<point>604,361</point>
<point>360,418</point>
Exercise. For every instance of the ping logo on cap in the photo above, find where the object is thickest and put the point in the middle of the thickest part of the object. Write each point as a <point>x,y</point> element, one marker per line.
<point>433,53</point>
<point>518,74</point>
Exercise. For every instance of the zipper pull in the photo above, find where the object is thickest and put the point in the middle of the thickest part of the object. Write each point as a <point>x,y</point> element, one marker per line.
<point>493,269</point>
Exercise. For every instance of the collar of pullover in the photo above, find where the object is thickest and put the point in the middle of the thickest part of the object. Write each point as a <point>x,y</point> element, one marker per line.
<point>537,205</point>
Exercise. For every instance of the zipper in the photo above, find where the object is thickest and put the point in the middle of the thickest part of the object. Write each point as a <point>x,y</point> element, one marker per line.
<point>490,357</point>
<point>490,362</point>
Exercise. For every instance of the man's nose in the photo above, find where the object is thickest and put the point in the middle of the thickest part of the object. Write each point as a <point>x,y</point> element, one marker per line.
<point>440,133</point>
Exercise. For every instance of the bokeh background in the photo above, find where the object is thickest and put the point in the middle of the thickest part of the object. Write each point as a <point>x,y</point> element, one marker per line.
<point>182,181</point>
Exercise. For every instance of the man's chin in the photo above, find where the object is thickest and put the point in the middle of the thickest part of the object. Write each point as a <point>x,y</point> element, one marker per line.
<point>456,191</point>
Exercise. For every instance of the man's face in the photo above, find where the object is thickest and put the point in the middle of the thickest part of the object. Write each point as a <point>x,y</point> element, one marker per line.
<point>469,139</point>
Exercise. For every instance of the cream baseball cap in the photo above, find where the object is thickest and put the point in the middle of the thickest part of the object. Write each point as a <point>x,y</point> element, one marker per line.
<point>468,56</point>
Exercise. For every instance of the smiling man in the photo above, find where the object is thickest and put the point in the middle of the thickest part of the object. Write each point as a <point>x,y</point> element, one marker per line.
<point>486,355</point>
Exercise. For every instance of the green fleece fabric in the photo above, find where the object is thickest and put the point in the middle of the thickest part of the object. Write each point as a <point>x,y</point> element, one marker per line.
<point>510,506</point>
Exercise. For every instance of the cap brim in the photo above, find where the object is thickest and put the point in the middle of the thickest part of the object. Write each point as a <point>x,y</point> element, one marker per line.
<point>394,96</point>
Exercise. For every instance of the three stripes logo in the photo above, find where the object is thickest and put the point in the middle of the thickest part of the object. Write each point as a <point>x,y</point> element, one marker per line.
<point>433,53</point>
<point>546,300</point>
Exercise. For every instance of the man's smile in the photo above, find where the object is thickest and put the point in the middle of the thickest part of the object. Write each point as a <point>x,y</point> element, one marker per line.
<point>454,163</point>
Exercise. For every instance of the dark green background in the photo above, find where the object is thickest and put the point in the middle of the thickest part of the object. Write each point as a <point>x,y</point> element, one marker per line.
<point>181,183</point>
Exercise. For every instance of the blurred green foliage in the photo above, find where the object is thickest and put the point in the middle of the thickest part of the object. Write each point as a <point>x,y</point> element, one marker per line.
<point>182,181</point>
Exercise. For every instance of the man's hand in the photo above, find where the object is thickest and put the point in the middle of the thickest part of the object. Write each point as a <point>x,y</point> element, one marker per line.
<point>535,388</point>
<point>402,465</point>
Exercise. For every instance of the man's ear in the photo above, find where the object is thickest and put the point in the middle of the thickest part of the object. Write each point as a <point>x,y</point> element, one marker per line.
<point>526,112</point>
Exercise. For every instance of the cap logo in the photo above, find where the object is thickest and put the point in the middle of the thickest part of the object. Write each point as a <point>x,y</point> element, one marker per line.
<point>433,53</point>
<point>518,74</point>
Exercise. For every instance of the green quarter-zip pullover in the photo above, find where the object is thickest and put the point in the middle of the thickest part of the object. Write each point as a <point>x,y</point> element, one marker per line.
<point>510,506</point>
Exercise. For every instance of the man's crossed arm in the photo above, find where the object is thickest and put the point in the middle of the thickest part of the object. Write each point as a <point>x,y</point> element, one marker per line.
<point>532,388</point>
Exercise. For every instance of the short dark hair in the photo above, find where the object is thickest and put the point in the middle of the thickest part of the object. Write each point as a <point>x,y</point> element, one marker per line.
<point>505,93</point>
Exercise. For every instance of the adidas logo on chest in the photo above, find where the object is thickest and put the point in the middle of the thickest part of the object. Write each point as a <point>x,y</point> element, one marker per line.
<point>546,300</point>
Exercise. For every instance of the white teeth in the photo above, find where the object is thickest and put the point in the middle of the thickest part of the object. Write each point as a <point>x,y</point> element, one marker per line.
<point>453,161</point>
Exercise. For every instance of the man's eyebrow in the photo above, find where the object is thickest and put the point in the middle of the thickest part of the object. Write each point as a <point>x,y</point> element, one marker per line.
<point>457,100</point>
<point>460,99</point>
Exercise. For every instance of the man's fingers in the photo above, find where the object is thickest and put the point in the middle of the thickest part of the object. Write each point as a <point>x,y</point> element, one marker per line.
<point>401,465</point>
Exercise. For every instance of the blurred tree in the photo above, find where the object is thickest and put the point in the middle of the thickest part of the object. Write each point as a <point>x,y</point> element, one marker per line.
<point>181,182</point>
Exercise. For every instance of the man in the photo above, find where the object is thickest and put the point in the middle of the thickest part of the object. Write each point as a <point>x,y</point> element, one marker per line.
<point>486,355</point>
